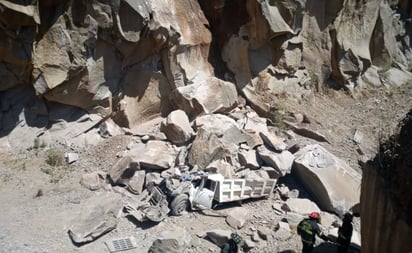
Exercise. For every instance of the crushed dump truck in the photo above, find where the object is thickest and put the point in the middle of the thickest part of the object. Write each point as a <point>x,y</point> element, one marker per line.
<point>197,191</point>
<point>209,190</point>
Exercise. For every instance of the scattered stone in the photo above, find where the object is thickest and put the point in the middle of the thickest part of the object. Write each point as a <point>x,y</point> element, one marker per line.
<point>155,155</point>
<point>39,193</point>
<point>283,190</point>
<point>293,194</point>
<point>308,133</point>
<point>71,157</point>
<point>273,173</point>
<point>237,217</point>
<point>136,183</point>
<point>358,137</point>
<point>273,141</point>
<point>122,170</point>
<point>219,236</point>
<point>265,233</point>
<point>249,159</point>
<point>97,216</point>
<point>221,167</point>
<point>283,231</point>
<point>248,244</point>
<point>277,206</point>
<point>108,128</point>
<point>93,180</point>
<point>153,178</point>
<point>174,240</point>
<point>282,162</point>
<point>255,237</point>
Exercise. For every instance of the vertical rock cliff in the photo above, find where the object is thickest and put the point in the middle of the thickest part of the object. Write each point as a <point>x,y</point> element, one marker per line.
<point>386,195</point>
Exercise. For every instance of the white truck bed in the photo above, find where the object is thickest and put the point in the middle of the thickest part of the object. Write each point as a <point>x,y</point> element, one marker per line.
<point>237,189</point>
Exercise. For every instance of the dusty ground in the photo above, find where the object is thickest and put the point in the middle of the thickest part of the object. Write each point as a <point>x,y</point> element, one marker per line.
<point>38,202</point>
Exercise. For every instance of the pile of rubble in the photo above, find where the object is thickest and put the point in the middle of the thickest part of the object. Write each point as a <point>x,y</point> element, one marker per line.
<point>238,145</point>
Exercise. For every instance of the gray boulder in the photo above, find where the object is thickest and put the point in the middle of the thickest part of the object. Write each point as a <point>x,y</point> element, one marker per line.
<point>334,184</point>
<point>237,217</point>
<point>98,215</point>
<point>173,240</point>
<point>282,162</point>
<point>177,128</point>
<point>136,182</point>
<point>210,96</point>
<point>155,155</point>
<point>249,159</point>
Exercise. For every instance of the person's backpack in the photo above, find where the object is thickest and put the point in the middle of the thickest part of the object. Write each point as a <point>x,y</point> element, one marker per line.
<point>304,227</point>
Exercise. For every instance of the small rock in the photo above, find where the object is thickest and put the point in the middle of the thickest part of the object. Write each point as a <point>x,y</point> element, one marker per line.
<point>293,194</point>
<point>174,240</point>
<point>237,217</point>
<point>358,137</point>
<point>255,237</point>
<point>265,233</point>
<point>71,157</point>
<point>249,244</point>
<point>219,236</point>
<point>278,208</point>
<point>154,178</point>
<point>136,183</point>
<point>94,180</point>
<point>273,141</point>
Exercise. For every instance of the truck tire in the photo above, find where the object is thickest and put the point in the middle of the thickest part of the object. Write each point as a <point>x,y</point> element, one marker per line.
<point>179,205</point>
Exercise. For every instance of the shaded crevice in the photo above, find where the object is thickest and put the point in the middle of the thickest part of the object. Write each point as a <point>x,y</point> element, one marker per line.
<point>225,19</point>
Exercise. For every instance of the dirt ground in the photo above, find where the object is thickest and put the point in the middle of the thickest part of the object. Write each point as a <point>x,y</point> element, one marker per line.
<point>39,202</point>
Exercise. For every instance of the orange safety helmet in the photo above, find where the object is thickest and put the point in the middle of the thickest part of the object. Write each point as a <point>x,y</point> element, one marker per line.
<point>314,215</point>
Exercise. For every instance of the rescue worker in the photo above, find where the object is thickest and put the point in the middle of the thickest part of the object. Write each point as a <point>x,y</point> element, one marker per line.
<point>307,229</point>
<point>233,245</point>
<point>345,233</point>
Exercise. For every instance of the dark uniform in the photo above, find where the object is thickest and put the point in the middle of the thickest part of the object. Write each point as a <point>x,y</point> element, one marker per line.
<point>232,246</point>
<point>307,229</point>
<point>345,234</point>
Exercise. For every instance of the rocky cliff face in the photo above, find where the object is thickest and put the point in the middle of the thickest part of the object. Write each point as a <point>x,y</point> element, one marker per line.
<point>386,195</point>
<point>133,61</point>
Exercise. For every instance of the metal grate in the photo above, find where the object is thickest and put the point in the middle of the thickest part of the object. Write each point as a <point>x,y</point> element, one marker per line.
<point>121,244</point>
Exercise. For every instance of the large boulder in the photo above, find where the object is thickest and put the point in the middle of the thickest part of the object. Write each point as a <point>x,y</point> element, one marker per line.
<point>206,148</point>
<point>335,185</point>
<point>218,136</point>
<point>281,162</point>
<point>249,159</point>
<point>155,155</point>
<point>177,128</point>
<point>209,96</point>
<point>172,240</point>
<point>97,216</point>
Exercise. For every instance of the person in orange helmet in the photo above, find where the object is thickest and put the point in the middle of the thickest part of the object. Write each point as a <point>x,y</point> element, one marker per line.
<point>307,229</point>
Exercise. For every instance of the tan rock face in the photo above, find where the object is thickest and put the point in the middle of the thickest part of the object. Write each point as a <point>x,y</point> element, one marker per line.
<point>145,95</point>
<point>123,59</point>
